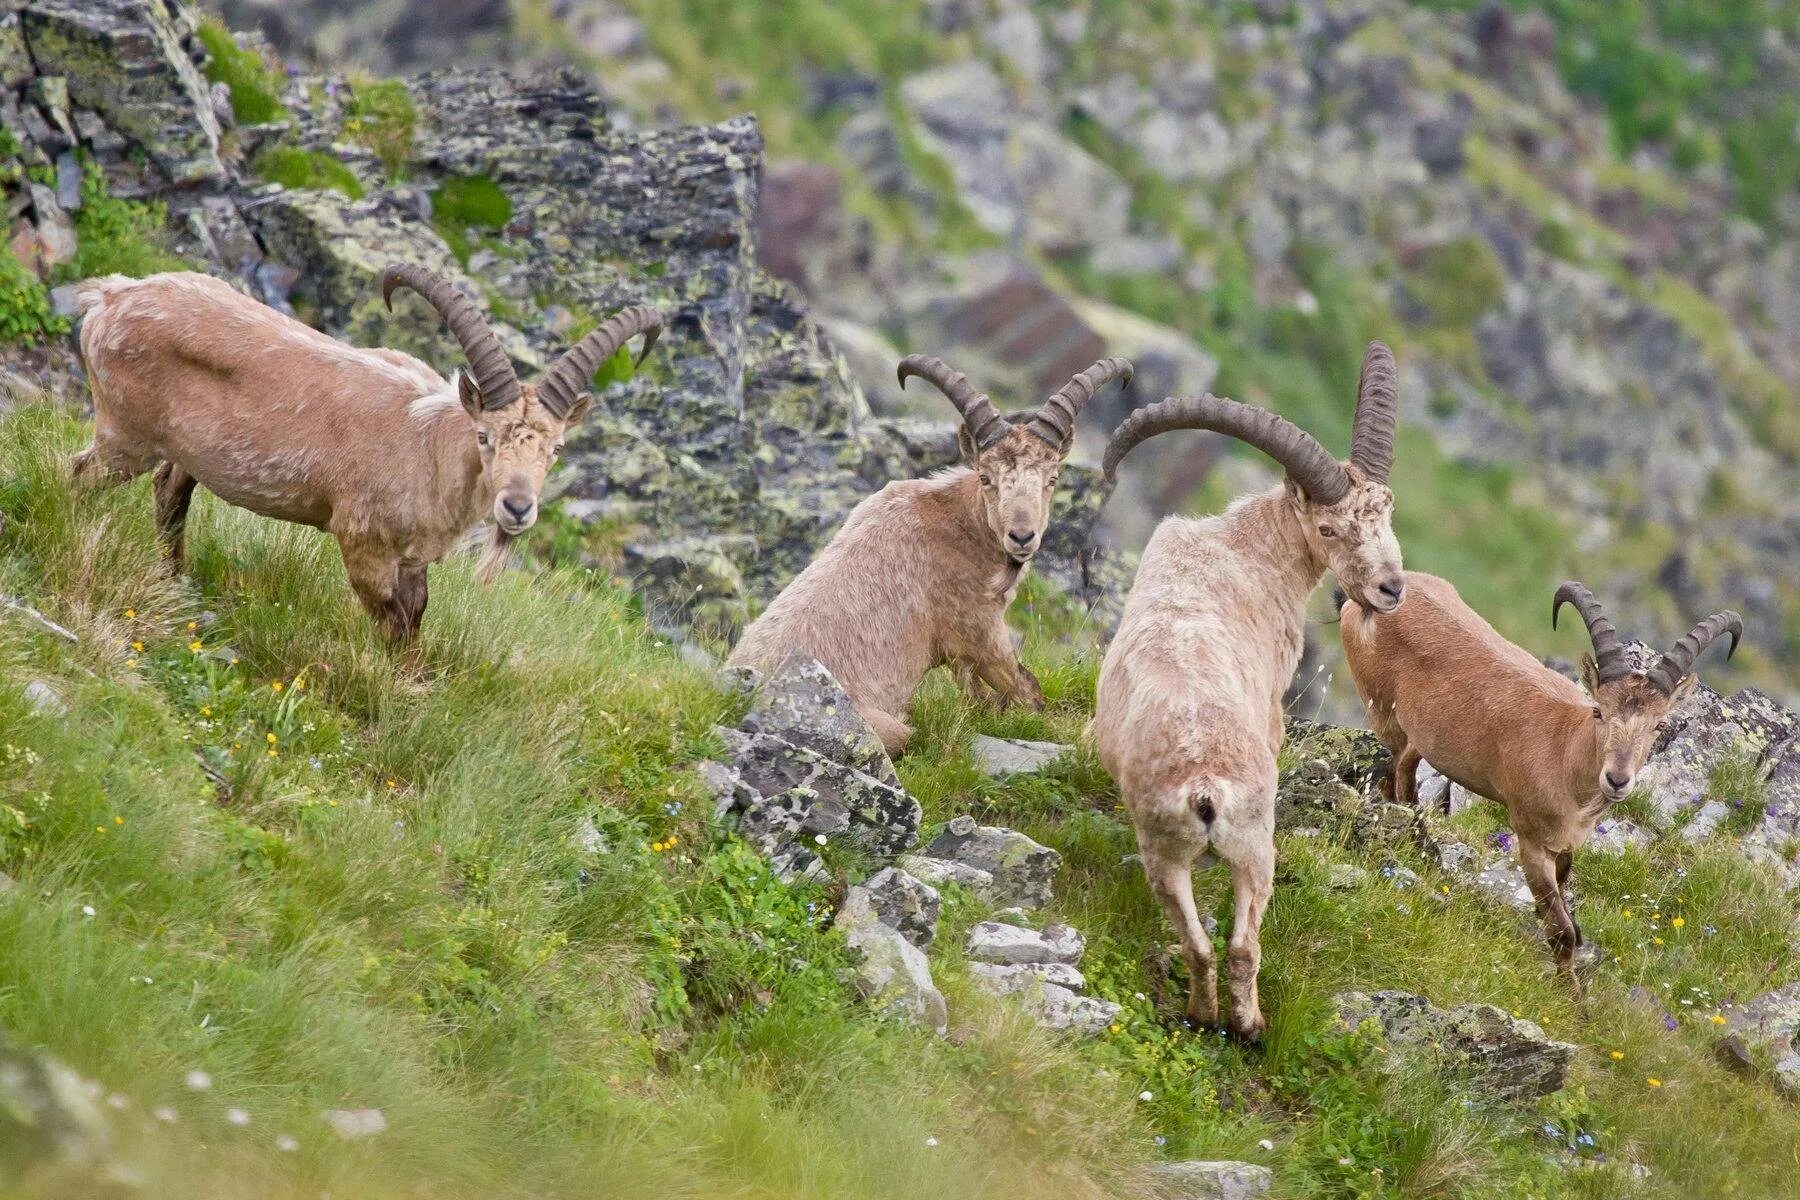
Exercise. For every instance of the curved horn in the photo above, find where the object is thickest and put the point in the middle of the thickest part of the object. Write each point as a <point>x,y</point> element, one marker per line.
<point>1377,399</point>
<point>1609,655</point>
<point>1055,421</point>
<point>573,371</point>
<point>1307,463</point>
<point>985,423</point>
<point>1671,667</point>
<point>492,370</point>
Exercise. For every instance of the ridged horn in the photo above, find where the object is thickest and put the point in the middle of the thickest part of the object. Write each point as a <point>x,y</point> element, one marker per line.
<point>573,371</point>
<point>985,423</point>
<point>1055,421</point>
<point>1673,666</point>
<point>488,365</point>
<point>1307,463</point>
<point>1609,655</point>
<point>1377,402</point>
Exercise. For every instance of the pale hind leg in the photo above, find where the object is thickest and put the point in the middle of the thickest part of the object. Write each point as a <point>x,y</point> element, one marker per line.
<point>1246,840</point>
<point>103,462</point>
<point>1172,883</point>
<point>893,732</point>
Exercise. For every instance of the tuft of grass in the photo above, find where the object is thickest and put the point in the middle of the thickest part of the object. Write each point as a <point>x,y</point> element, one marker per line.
<point>114,235</point>
<point>255,85</point>
<point>468,204</point>
<point>294,167</point>
<point>25,313</point>
<point>381,116</point>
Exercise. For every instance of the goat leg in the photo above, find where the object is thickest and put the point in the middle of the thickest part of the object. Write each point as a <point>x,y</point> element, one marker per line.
<point>1406,776</point>
<point>1539,866</point>
<point>1172,882</point>
<point>376,577</point>
<point>174,492</point>
<point>893,732</point>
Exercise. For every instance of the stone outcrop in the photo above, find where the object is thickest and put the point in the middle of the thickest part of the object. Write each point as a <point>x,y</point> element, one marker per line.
<point>1511,1057</point>
<point>1210,1180</point>
<point>893,975</point>
<point>1040,969</point>
<point>1021,870</point>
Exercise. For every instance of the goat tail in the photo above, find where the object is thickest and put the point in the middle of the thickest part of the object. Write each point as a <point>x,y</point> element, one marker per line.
<point>1207,796</point>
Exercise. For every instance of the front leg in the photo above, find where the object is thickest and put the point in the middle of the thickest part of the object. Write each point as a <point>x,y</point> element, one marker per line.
<point>992,659</point>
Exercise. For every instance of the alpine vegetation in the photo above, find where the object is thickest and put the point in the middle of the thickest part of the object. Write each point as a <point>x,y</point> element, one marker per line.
<point>1187,716</point>
<point>210,387</point>
<point>1438,682</point>
<point>922,572</point>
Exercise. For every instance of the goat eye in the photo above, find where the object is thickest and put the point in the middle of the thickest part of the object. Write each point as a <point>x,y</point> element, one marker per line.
<point>1598,715</point>
<point>987,480</point>
<point>1326,531</point>
<point>481,437</point>
<point>556,450</point>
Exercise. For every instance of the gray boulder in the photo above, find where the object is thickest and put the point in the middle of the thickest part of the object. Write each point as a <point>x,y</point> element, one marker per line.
<point>893,974</point>
<point>1022,869</point>
<point>939,871</point>
<point>1000,757</point>
<point>1677,777</point>
<point>1511,1057</point>
<point>1000,943</point>
<point>1202,1180</point>
<point>797,791</point>
<point>905,904</point>
<point>800,702</point>
<point>1617,835</point>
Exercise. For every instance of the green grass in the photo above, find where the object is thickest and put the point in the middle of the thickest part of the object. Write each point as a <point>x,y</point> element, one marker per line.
<point>255,85</point>
<point>381,116</point>
<point>114,235</point>
<point>465,206</point>
<point>363,888</point>
<point>25,316</point>
<point>294,167</point>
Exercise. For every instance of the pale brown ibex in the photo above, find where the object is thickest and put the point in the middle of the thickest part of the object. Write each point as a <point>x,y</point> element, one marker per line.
<point>210,387</point>
<point>1438,681</point>
<point>1188,716</point>
<point>922,572</point>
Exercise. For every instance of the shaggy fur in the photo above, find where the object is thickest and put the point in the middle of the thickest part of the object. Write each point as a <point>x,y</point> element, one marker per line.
<point>210,388</point>
<point>1438,682</point>
<point>921,575</point>
<point>1188,716</point>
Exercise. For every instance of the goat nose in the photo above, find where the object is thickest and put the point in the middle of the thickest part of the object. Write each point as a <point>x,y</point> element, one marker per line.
<point>1021,537</point>
<point>1617,782</point>
<point>1393,588</point>
<point>519,507</point>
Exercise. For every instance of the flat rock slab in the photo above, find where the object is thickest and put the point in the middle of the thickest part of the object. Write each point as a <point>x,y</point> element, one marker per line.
<point>800,702</point>
<point>1050,992</point>
<point>797,791</point>
<point>998,942</point>
<point>893,975</point>
<point>940,871</point>
<point>905,904</point>
<point>1618,836</point>
<point>1511,1057</point>
<point>1502,882</point>
<point>1201,1180</point>
<point>1021,868</point>
<point>1001,757</point>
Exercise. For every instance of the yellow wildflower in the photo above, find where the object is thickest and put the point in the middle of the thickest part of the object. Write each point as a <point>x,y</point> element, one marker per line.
<point>194,645</point>
<point>1617,1055</point>
<point>1718,1018</point>
<point>270,736</point>
<point>274,753</point>
<point>299,684</point>
<point>118,820</point>
<point>206,710</point>
<point>131,614</point>
<point>392,784</point>
<point>671,840</point>
<point>193,625</point>
<point>277,685</point>
<point>131,662</point>
<point>138,647</point>
<point>1678,922</point>
<point>1656,941</point>
<point>1653,1081</point>
<point>1628,912</point>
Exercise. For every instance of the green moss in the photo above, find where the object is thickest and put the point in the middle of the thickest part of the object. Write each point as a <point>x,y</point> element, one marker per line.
<point>1558,240</point>
<point>465,204</point>
<point>1456,281</point>
<point>255,86</point>
<point>381,116</point>
<point>25,314</point>
<point>115,236</point>
<point>293,167</point>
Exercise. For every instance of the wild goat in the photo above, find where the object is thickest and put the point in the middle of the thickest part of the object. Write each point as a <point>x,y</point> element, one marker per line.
<point>922,571</point>
<point>1437,681</point>
<point>1187,716</point>
<point>371,445</point>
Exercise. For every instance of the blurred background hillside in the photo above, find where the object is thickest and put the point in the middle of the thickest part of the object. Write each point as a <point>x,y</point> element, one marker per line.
<point>1574,220</point>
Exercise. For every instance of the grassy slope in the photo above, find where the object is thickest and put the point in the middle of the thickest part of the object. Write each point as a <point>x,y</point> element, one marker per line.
<point>392,910</point>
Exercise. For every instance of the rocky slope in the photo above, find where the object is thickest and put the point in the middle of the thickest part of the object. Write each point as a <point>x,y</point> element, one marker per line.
<point>1597,346</point>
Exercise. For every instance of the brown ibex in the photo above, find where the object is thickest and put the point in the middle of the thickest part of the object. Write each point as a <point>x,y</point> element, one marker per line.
<point>210,387</point>
<point>922,572</point>
<point>1188,716</point>
<point>1439,682</point>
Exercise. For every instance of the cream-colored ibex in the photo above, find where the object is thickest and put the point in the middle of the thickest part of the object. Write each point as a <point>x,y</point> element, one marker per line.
<point>922,572</point>
<point>1188,716</point>
<point>212,388</point>
<point>1437,681</point>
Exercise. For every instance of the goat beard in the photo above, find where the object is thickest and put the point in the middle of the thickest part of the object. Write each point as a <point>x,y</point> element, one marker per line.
<point>493,556</point>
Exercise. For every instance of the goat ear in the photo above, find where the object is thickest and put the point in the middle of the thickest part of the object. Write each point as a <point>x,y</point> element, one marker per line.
<point>1590,674</point>
<point>469,393</point>
<point>1682,687</point>
<point>965,444</point>
<point>578,409</point>
<point>1295,493</point>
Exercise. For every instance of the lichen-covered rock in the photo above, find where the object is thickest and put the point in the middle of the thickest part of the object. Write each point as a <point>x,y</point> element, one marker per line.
<point>1203,1180</point>
<point>799,792</point>
<point>1023,870</point>
<point>940,871</point>
<point>893,974</point>
<point>1004,979</point>
<point>1502,883</point>
<point>1615,835</point>
<point>800,702</point>
<point>998,942</point>
<point>905,904</point>
<point>1000,757</point>
<point>129,62</point>
<point>1356,756</point>
<point>1747,724</point>
<point>1509,1056</point>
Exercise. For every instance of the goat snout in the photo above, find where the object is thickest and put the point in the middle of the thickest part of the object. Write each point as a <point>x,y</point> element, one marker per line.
<point>1021,541</point>
<point>1617,781</point>
<point>516,511</point>
<point>1387,593</point>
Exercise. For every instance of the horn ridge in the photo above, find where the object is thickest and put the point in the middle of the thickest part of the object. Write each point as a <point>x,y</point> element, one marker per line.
<point>1609,654</point>
<point>1054,421</point>
<point>573,371</point>
<point>488,364</point>
<point>984,421</point>
<point>1307,463</point>
<point>1673,666</point>
<point>1377,403</point>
